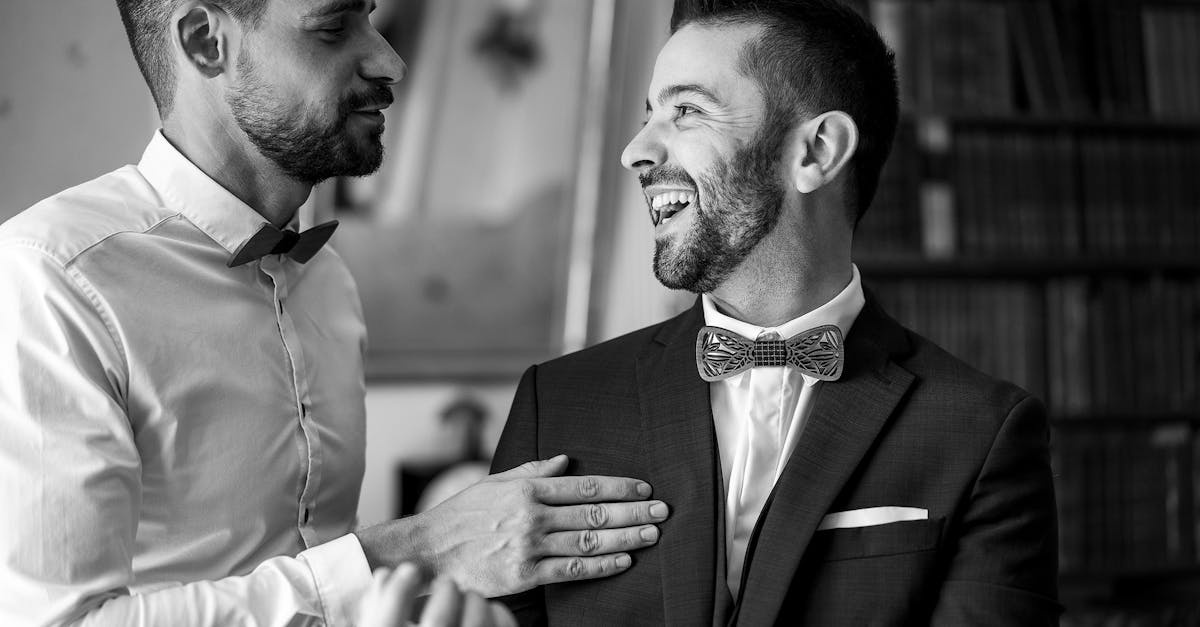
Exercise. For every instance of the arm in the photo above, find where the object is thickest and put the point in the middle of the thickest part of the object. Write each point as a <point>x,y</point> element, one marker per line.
<point>70,482</point>
<point>1004,571</point>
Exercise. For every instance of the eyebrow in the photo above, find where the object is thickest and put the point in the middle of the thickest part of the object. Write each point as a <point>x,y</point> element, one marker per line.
<point>342,6</point>
<point>671,91</point>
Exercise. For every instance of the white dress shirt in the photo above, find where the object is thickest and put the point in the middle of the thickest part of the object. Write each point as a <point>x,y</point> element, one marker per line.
<point>181,443</point>
<point>759,414</point>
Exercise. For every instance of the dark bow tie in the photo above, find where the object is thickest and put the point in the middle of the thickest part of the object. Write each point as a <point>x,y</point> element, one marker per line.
<point>817,352</point>
<point>272,241</point>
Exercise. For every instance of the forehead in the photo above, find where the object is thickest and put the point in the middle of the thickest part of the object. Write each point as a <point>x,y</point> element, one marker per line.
<point>316,8</point>
<point>707,56</point>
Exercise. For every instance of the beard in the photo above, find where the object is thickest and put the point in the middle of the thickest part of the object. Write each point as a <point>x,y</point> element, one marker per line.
<point>742,200</point>
<point>306,148</point>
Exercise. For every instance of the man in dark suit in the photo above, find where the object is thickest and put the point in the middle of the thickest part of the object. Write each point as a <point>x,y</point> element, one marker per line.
<point>824,465</point>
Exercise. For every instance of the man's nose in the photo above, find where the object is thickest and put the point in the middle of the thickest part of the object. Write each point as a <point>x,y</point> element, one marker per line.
<point>382,63</point>
<point>645,150</point>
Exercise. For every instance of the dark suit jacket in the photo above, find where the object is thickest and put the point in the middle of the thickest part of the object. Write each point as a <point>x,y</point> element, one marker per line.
<point>906,425</point>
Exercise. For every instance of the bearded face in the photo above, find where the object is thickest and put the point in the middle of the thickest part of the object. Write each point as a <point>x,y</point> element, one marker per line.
<point>738,202</point>
<point>341,136</point>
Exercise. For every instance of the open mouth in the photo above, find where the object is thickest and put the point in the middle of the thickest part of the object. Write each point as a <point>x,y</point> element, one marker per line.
<point>665,205</point>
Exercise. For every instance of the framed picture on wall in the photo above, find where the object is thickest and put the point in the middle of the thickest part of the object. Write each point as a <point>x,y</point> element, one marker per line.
<point>470,243</point>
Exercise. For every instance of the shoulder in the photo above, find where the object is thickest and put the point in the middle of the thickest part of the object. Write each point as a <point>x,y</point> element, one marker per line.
<point>69,223</point>
<point>962,403</point>
<point>948,376</point>
<point>622,349</point>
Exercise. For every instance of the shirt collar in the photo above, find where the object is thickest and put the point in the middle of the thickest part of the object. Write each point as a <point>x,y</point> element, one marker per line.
<point>187,189</point>
<point>841,311</point>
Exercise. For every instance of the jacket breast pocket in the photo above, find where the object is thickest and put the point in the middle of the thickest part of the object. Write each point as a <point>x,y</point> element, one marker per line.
<point>908,536</point>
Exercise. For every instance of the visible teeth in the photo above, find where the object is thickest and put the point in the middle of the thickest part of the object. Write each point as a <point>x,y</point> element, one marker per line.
<point>672,197</point>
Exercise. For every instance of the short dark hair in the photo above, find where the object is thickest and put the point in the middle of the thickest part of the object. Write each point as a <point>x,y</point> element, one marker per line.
<point>147,24</point>
<point>815,56</point>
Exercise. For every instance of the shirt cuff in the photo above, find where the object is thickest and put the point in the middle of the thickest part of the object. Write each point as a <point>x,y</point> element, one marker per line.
<point>342,575</point>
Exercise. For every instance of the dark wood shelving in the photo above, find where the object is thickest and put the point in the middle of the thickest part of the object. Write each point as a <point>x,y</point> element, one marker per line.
<point>1131,420</point>
<point>1024,267</point>
<point>1087,122</point>
<point>1052,171</point>
<point>1132,575</point>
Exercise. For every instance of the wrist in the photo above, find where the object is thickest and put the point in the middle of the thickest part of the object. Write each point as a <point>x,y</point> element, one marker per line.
<point>402,540</point>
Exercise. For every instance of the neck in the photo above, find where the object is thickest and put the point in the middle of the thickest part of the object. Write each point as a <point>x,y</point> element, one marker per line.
<point>783,280</point>
<point>226,155</point>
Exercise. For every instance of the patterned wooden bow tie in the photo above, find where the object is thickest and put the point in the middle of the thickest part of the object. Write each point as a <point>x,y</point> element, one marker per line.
<point>272,241</point>
<point>817,352</point>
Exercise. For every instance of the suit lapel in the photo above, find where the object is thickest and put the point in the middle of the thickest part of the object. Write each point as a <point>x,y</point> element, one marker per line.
<point>847,416</point>
<point>680,448</point>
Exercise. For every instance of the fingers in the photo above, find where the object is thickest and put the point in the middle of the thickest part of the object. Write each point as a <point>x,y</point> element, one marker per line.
<point>559,569</point>
<point>605,515</point>
<point>501,616</point>
<point>390,599</point>
<point>598,542</point>
<point>445,604</point>
<point>475,611</point>
<point>450,607</point>
<point>587,489</point>
<point>554,466</point>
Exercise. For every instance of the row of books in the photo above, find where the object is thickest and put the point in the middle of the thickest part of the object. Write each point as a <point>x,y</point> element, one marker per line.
<point>1113,346</point>
<point>1123,346</point>
<point>1126,498</point>
<point>1105,57</point>
<point>1041,192</point>
<point>1172,44</point>
<point>993,325</point>
<point>1153,613</point>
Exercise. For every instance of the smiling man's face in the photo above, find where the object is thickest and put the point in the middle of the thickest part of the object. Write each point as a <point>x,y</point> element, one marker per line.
<point>708,158</point>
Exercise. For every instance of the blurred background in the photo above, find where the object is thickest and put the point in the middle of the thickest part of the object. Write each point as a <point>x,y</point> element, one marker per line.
<point>1039,217</point>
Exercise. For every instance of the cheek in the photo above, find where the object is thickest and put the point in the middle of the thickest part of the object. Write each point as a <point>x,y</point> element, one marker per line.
<point>700,157</point>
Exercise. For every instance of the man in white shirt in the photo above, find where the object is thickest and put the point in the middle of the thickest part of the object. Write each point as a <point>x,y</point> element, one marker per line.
<point>824,465</point>
<point>181,396</point>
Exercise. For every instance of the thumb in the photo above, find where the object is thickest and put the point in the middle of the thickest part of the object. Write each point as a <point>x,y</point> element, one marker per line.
<point>552,467</point>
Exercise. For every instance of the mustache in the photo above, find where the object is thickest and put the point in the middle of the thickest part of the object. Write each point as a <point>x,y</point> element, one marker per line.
<point>663,174</point>
<point>377,97</point>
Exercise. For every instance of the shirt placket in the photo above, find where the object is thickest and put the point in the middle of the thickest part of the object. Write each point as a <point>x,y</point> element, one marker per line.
<point>308,440</point>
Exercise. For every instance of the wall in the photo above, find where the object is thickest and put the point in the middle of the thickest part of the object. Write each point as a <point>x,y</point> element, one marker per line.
<point>72,103</point>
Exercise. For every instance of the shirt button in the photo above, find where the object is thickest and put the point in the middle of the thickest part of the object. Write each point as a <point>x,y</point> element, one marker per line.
<point>304,516</point>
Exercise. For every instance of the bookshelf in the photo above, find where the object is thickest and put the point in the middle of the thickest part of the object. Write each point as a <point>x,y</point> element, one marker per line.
<point>1040,218</point>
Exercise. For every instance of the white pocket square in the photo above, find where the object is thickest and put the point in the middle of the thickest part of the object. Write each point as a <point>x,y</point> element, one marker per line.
<point>871,516</point>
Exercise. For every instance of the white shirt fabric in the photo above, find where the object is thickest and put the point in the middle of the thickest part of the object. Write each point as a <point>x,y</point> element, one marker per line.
<point>759,415</point>
<point>181,443</point>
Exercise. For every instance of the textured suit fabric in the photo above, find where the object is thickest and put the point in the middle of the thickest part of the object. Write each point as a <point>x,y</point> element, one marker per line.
<point>906,425</point>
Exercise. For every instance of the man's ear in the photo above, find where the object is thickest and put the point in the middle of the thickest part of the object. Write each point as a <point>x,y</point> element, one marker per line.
<point>201,30</point>
<point>822,146</point>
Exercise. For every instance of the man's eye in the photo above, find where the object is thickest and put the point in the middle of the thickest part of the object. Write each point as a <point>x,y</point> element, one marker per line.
<point>685,110</point>
<point>332,32</point>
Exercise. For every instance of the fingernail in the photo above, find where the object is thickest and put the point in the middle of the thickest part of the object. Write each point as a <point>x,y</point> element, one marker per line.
<point>556,458</point>
<point>649,534</point>
<point>659,510</point>
<point>623,561</point>
<point>644,489</point>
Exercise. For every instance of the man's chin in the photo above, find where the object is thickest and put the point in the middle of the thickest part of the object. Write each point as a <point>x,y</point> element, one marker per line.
<point>358,164</point>
<point>674,277</point>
